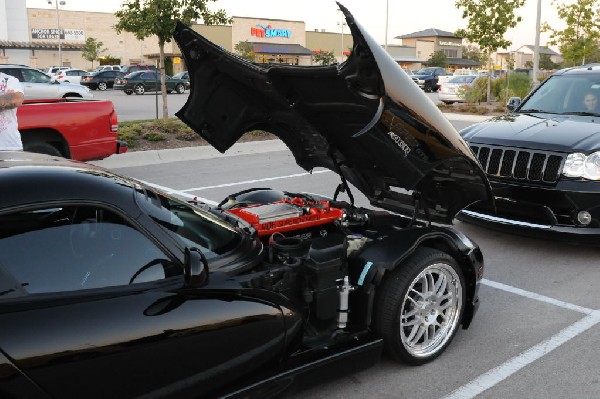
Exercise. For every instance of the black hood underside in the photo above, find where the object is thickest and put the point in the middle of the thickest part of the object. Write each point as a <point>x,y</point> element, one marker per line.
<point>364,119</point>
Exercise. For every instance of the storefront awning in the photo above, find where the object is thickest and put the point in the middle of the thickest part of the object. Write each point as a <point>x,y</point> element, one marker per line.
<point>278,48</point>
<point>40,45</point>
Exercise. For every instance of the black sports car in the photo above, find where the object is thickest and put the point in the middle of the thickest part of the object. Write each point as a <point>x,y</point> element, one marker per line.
<point>543,160</point>
<point>109,288</point>
<point>101,80</point>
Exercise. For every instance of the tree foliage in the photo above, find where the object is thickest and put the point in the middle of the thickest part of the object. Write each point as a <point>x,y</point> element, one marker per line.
<point>473,52</point>
<point>92,50</point>
<point>579,39</point>
<point>245,50</point>
<point>323,57</point>
<point>145,18</point>
<point>437,59</point>
<point>487,23</point>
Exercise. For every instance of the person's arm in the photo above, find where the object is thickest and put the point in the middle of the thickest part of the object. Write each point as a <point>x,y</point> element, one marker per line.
<point>12,99</point>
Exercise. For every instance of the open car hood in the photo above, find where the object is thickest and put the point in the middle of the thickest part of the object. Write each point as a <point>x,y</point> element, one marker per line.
<point>364,119</point>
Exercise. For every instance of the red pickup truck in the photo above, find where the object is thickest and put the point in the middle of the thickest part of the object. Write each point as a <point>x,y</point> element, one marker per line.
<point>83,130</point>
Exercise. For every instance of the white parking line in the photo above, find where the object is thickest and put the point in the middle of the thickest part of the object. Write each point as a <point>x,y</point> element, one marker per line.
<point>505,370</point>
<point>254,181</point>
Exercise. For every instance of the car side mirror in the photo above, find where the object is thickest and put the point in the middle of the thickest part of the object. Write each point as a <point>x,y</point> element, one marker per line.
<point>195,268</point>
<point>513,103</point>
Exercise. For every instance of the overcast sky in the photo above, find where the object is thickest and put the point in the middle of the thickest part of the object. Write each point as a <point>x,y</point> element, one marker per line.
<point>404,16</point>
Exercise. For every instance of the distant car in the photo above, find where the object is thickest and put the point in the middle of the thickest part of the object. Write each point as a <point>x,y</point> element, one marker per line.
<point>143,81</point>
<point>51,71</point>
<point>184,76</point>
<point>107,68</point>
<point>543,160</point>
<point>453,90</point>
<point>427,78</point>
<point>127,69</point>
<point>101,80</point>
<point>38,85</point>
<point>69,76</point>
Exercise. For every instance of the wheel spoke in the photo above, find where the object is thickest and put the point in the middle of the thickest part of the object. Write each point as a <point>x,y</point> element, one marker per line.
<point>417,336</point>
<point>417,292</point>
<point>442,283</point>
<point>409,314</point>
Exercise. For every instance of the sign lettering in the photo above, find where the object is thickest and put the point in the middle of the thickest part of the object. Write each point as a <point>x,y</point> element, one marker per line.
<point>54,34</point>
<point>269,31</point>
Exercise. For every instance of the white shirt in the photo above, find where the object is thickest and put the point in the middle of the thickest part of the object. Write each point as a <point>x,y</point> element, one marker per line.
<point>10,138</point>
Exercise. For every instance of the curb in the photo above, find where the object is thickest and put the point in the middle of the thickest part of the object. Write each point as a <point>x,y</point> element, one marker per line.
<point>155,157</point>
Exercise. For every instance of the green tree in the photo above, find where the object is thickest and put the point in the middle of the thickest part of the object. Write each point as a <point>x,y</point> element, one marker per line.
<point>487,23</point>
<point>245,50</point>
<point>145,18</point>
<point>437,59</point>
<point>580,37</point>
<point>473,52</point>
<point>323,57</point>
<point>92,50</point>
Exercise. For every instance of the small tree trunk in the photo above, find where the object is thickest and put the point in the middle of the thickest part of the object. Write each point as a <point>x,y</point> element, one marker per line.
<point>489,78</point>
<point>163,86</point>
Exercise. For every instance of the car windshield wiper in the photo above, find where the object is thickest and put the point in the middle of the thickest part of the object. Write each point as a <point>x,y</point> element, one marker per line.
<point>533,111</point>
<point>584,113</point>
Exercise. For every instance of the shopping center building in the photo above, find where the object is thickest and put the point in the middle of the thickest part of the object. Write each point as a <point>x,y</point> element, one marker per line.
<point>30,36</point>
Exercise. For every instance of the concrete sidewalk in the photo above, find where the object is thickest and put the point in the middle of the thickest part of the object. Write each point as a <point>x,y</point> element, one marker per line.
<point>154,157</point>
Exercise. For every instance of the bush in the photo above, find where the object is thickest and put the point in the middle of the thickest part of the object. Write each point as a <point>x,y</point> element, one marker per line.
<point>477,92</point>
<point>517,85</point>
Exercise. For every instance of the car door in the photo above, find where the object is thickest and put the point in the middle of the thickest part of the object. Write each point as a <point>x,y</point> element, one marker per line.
<point>38,85</point>
<point>94,307</point>
<point>151,80</point>
<point>109,78</point>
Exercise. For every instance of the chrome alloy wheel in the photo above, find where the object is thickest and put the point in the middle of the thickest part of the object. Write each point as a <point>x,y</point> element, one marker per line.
<point>430,310</point>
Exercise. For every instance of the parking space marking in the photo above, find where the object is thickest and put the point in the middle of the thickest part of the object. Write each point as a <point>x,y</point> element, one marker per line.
<point>537,297</point>
<point>497,374</point>
<point>255,181</point>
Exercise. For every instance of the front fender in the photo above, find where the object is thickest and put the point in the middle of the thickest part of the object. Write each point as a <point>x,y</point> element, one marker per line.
<point>369,268</point>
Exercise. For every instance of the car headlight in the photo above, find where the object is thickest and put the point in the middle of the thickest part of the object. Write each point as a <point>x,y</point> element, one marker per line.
<point>580,165</point>
<point>421,81</point>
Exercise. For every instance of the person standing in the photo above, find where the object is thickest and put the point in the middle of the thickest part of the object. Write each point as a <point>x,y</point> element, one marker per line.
<point>11,97</point>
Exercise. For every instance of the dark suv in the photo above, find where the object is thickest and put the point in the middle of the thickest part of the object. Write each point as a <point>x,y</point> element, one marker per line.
<point>127,69</point>
<point>543,159</point>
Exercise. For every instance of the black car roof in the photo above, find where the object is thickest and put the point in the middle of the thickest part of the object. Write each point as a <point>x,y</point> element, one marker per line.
<point>35,178</point>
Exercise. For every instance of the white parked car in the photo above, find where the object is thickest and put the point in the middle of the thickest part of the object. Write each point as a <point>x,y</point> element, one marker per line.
<point>53,70</point>
<point>38,85</point>
<point>453,90</point>
<point>69,76</point>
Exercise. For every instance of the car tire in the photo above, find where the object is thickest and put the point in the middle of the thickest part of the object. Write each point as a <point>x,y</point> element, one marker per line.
<point>42,148</point>
<point>416,318</point>
<point>128,92</point>
<point>139,89</point>
<point>448,102</point>
<point>427,88</point>
<point>180,89</point>
<point>102,86</point>
<point>71,95</point>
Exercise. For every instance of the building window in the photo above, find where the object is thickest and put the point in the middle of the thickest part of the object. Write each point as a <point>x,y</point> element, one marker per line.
<point>450,53</point>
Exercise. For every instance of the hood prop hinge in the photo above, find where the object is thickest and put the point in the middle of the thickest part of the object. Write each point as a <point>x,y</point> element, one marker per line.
<point>343,186</point>
<point>416,204</point>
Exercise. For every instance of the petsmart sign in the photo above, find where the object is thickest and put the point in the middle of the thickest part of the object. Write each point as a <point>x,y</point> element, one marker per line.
<point>268,31</point>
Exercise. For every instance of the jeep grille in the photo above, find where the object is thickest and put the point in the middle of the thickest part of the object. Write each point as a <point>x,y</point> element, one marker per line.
<point>516,164</point>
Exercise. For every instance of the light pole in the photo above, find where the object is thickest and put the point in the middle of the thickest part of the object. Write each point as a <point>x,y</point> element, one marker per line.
<point>342,24</point>
<point>387,8</point>
<point>62,3</point>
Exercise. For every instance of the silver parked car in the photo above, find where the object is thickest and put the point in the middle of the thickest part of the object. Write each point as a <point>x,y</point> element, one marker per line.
<point>37,84</point>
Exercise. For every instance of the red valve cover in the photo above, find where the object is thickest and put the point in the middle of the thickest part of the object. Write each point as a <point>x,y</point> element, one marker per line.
<point>287,215</point>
